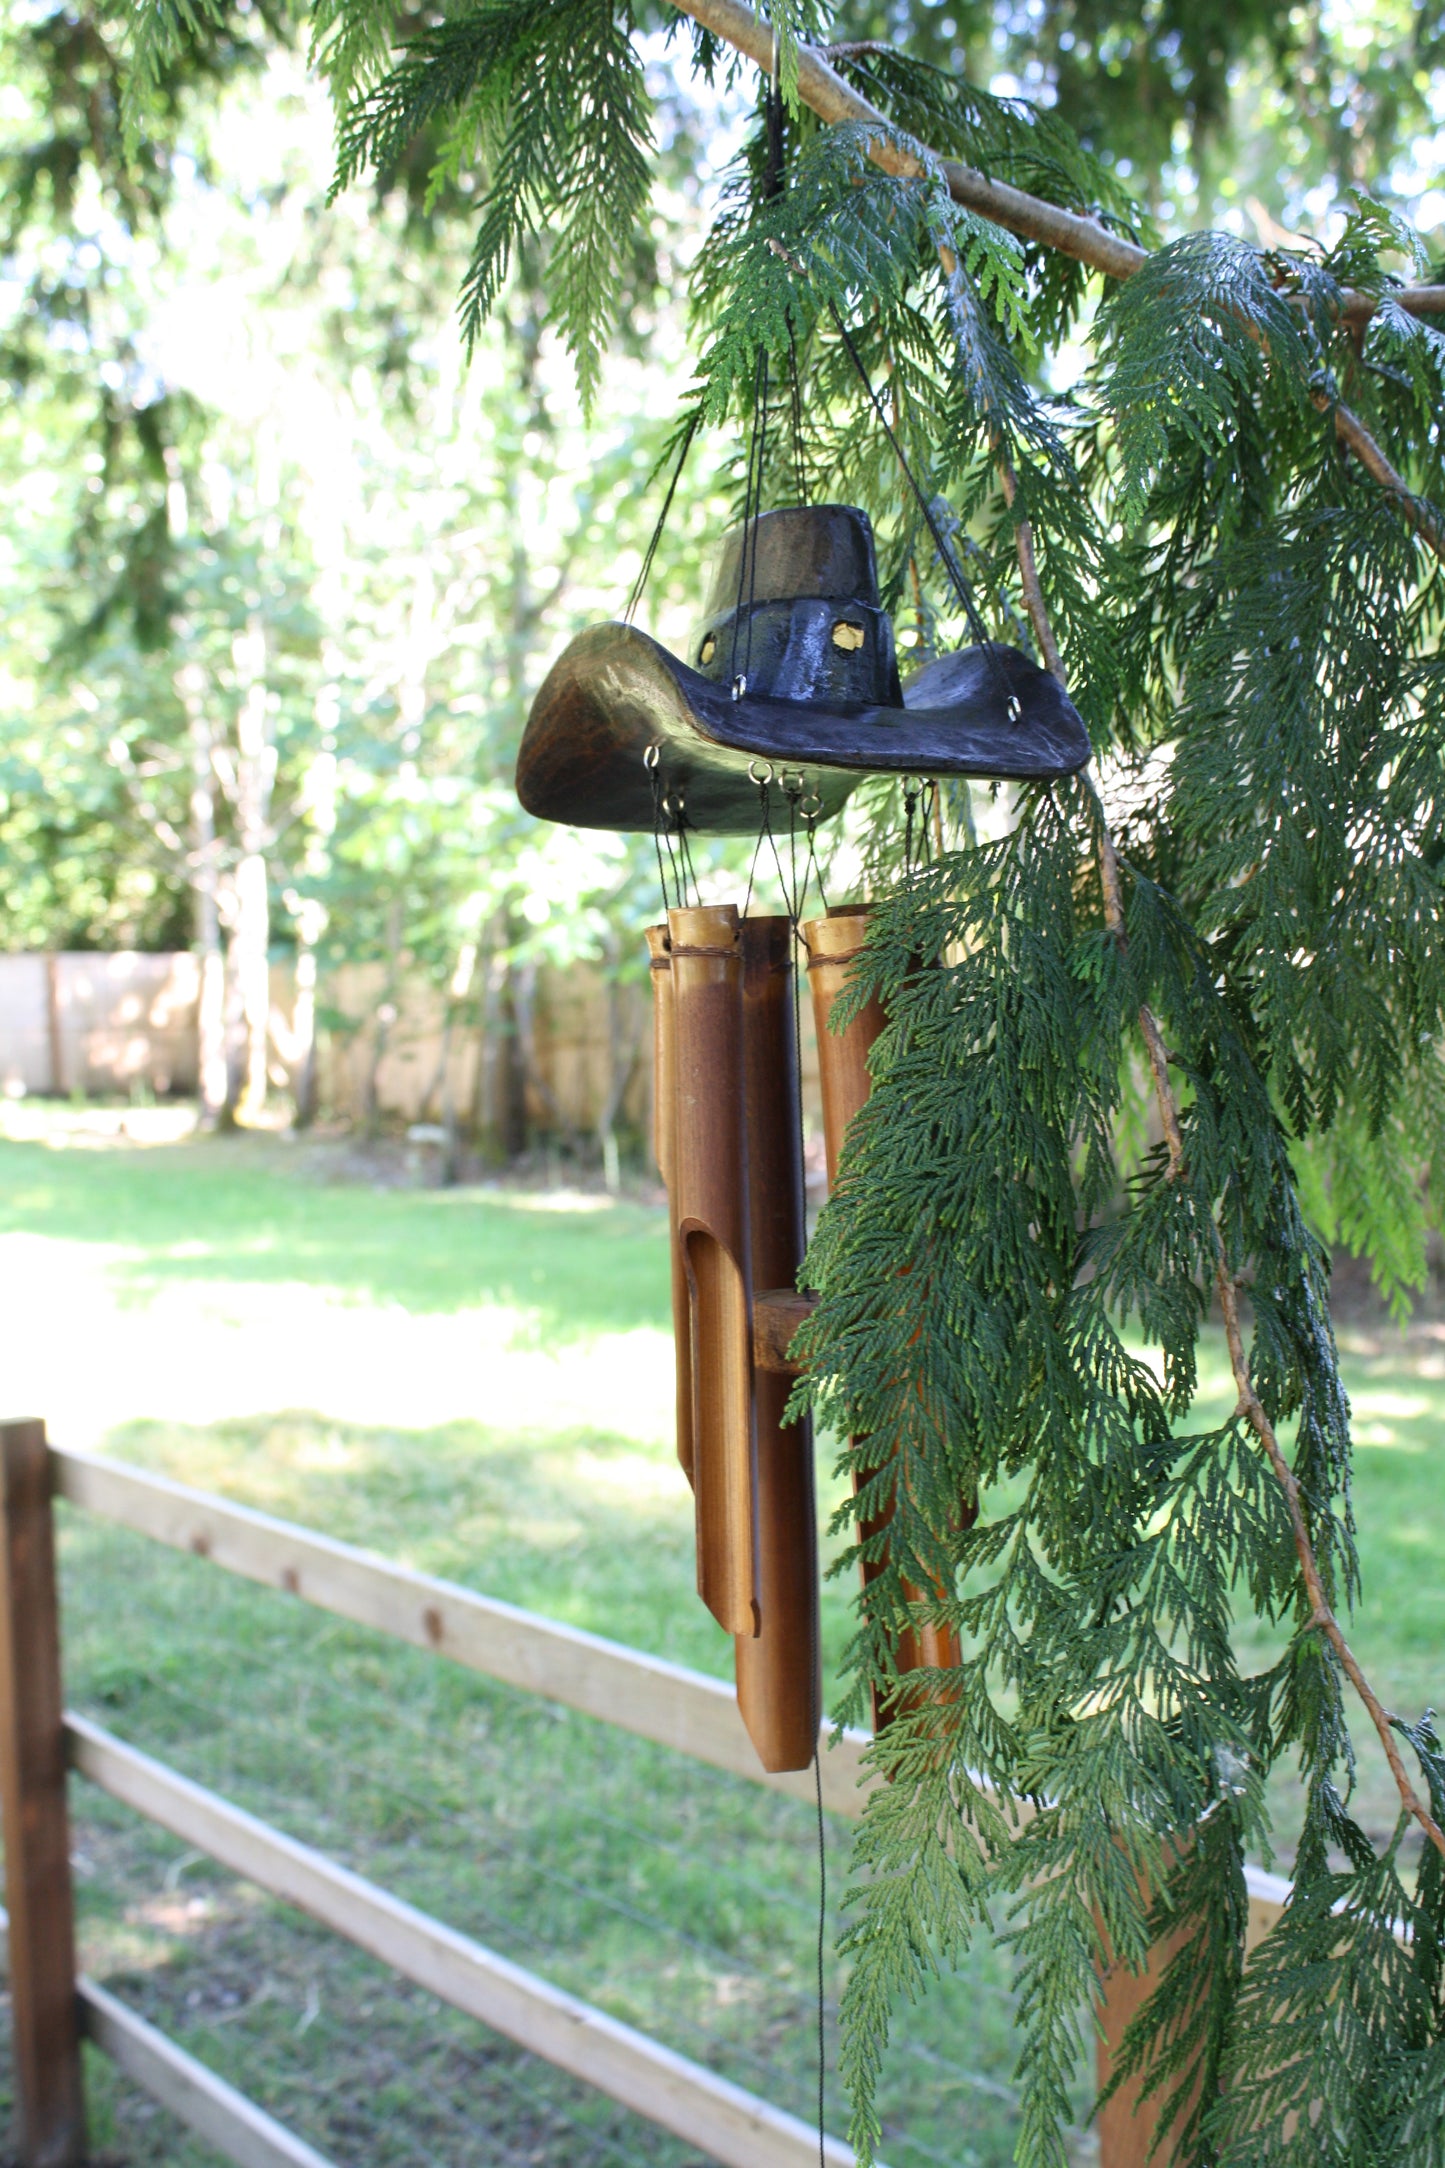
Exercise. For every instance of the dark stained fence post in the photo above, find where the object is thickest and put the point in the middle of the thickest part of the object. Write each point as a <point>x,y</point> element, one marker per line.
<point>49,2103</point>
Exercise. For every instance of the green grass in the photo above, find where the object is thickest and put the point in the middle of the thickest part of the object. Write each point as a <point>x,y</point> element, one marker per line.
<point>478,1383</point>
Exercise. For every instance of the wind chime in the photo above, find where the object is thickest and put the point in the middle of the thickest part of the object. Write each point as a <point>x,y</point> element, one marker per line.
<point>792,695</point>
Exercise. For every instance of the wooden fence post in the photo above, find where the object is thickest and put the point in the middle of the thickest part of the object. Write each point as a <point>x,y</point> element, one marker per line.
<point>50,2108</point>
<point>1127,2128</point>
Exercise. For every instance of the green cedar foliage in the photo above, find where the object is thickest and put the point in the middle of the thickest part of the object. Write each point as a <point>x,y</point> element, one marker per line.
<point>1251,627</point>
<point>546,95</point>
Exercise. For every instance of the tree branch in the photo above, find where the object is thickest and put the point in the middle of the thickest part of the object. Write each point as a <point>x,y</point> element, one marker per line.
<point>1351,431</point>
<point>1321,1612</point>
<point>1030,217</point>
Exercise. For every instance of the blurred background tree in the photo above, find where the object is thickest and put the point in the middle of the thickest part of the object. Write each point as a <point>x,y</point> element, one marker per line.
<point>282,569</point>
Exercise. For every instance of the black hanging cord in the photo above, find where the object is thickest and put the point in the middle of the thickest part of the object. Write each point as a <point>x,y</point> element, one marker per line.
<point>752,506</point>
<point>653,759</point>
<point>750,533</point>
<point>682,451</point>
<point>796,404</point>
<point>956,579</point>
<point>950,565</point>
<point>689,870</point>
<point>764,785</point>
<point>815,870</point>
<point>822,1938</point>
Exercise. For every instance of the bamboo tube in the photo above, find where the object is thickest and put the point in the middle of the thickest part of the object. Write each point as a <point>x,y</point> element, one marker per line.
<point>664,1151</point>
<point>778,1672</point>
<point>832,944</point>
<point>713,1230</point>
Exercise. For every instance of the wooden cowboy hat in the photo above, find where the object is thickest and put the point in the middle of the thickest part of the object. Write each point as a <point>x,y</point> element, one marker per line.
<point>794,676</point>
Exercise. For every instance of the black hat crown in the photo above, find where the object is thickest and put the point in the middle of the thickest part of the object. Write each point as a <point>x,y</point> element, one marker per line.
<point>795,613</point>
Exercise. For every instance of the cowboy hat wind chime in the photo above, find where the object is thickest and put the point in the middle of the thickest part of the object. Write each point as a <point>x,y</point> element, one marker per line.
<point>792,690</point>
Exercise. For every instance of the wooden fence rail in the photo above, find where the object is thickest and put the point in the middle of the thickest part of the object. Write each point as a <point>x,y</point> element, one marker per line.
<point>642,1694</point>
<point>647,1695</point>
<point>235,2126</point>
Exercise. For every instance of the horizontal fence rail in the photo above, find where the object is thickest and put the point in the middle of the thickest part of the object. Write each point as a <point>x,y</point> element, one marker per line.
<point>205,2103</point>
<point>656,1700</point>
<point>707,2111</point>
<point>665,1702</point>
<point>646,1695</point>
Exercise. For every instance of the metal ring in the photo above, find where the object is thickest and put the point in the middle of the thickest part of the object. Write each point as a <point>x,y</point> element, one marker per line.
<point>740,686</point>
<point>674,804</point>
<point>810,806</point>
<point>1015,712</point>
<point>793,781</point>
<point>652,756</point>
<point>762,781</point>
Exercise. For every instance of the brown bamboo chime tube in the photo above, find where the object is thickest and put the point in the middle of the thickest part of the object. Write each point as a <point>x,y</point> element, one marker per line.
<point>832,944</point>
<point>779,1671</point>
<point>664,1149</point>
<point>714,1235</point>
<point>727,1138</point>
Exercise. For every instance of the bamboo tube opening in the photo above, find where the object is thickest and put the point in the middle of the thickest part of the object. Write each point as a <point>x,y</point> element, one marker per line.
<point>724,1478</point>
<point>711,1175</point>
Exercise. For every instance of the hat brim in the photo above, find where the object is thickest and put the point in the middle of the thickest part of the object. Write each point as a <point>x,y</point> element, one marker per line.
<point>614,694</point>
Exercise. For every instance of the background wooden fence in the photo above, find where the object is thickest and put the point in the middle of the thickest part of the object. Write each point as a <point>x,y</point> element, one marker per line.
<point>100,1025</point>
<point>39,1744</point>
<point>106,1025</point>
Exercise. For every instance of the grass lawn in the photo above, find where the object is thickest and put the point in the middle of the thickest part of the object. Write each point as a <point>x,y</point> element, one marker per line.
<point>478,1383</point>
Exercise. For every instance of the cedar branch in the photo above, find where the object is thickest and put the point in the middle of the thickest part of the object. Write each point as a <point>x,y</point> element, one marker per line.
<point>1321,1611</point>
<point>1030,217</point>
<point>1351,431</point>
<point>1085,239</point>
<point>1249,1405</point>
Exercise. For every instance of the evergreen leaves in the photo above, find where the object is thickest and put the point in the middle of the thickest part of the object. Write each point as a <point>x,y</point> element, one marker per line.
<point>540,98</point>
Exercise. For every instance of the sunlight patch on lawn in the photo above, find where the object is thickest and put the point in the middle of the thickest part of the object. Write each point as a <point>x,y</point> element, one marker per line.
<point>89,1357</point>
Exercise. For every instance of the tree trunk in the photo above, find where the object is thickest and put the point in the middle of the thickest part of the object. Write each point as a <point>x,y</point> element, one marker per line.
<point>523,985</point>
<point>251,931</point>
<point>621,1061</point>
<point>212,1076</point>
<point>386,1015</point>
<point>499,1114</point>
<point>303,1029</point>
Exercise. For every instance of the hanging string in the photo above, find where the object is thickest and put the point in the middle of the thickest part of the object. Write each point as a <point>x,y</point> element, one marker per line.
<point>682,451</point>
<point>687,865</point>
<point>652,761</point>
<point>822,1938</point>
<point>946,558</point>
<point>815,870</point>
<point>796,403</point>
<point>752,506</point>
<point>763,783</point>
